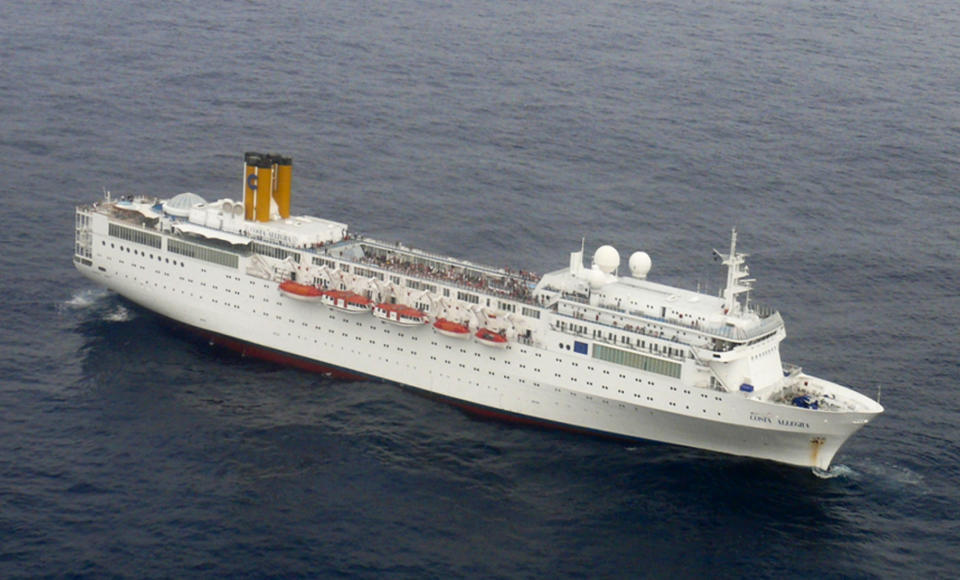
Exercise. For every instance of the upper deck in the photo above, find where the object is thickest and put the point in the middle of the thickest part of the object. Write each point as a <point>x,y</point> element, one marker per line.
<point>221,225</point>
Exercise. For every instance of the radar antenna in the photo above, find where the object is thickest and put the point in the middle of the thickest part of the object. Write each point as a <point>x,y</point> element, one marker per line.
<point>737,281</point>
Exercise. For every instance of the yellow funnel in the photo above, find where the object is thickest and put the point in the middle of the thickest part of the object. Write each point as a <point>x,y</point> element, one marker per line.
<point>284,169</point>
<point>264,189</point>
<point>250,161</point>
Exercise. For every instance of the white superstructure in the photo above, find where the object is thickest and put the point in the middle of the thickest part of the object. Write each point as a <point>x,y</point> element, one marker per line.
<point>582,347</point>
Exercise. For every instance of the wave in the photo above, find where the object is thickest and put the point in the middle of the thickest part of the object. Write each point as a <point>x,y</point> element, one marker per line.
<point>895,476</point>
<point>880,479</point>
<point>97,303</point>
<point>118,314</point>
<point>837,470</point>
<point>84,299</point>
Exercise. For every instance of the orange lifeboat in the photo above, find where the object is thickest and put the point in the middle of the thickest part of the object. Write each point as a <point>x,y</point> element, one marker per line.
<point>491,338</point>
<point>451,328</point>
<point>347,301</point>
<point>400,314</point>
<point>299,291</point>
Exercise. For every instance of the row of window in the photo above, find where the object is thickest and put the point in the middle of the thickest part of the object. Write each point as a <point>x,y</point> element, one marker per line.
<point>636,360</point>
<point>623,339</point>
<point>203,253</point>
<point>141,253</point>
<point>418,285</point>
<point>134,235</point>
<point>274,252</point>
<point>367,273</point>
<point>318,261</point>
<point>83,220</point>
<point>467,297</point>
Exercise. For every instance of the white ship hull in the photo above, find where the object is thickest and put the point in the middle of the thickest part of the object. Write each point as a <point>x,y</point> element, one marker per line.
<point>564,365</point>
<point>510,381</point>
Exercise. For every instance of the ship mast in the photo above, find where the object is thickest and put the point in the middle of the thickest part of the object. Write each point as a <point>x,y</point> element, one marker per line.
<point>737,281</point>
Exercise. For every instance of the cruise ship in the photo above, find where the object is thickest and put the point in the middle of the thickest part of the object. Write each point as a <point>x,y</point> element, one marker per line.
<point>597,348</point>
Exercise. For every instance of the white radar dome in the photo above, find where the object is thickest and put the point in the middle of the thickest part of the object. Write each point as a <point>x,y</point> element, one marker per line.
<point>607,258</point>
<point>596,278</point>
<point>640,264</point>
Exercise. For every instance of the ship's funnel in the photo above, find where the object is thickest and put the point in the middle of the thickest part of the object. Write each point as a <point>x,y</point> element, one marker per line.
<point>250,161</point>
<point>283,166</point>
<point>264,188</point>
<point>266,178</point>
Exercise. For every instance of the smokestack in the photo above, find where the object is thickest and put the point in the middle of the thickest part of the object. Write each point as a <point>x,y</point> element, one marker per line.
<point>264,188</point>
<point>284,172</point>
<point>250,161</point>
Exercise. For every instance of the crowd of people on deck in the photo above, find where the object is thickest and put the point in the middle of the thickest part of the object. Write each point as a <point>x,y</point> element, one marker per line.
<point>516,286</point>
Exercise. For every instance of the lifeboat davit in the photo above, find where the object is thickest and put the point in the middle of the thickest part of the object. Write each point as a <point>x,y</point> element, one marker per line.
<point>400,314</point>
<point>491,338</point>
<point>300,291</point>
<point>451,328</point>
<point>347,301</point>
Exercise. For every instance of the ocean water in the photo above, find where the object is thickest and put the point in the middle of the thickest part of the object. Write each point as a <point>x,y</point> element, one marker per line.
<point>502,132</point>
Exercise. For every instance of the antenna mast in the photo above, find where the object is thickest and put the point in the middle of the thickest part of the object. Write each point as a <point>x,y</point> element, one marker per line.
<point>737,281</point>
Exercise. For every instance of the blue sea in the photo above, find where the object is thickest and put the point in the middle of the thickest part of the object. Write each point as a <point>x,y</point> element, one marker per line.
<point>502,132</point>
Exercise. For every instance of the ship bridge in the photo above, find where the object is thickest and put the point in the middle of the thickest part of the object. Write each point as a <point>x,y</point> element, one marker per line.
<point>722,319</point>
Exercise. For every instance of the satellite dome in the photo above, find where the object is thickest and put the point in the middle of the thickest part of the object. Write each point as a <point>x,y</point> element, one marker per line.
<point>640,264</point>
<point>607,258</point>
<point>181,204</point>
<point>596,278</point>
